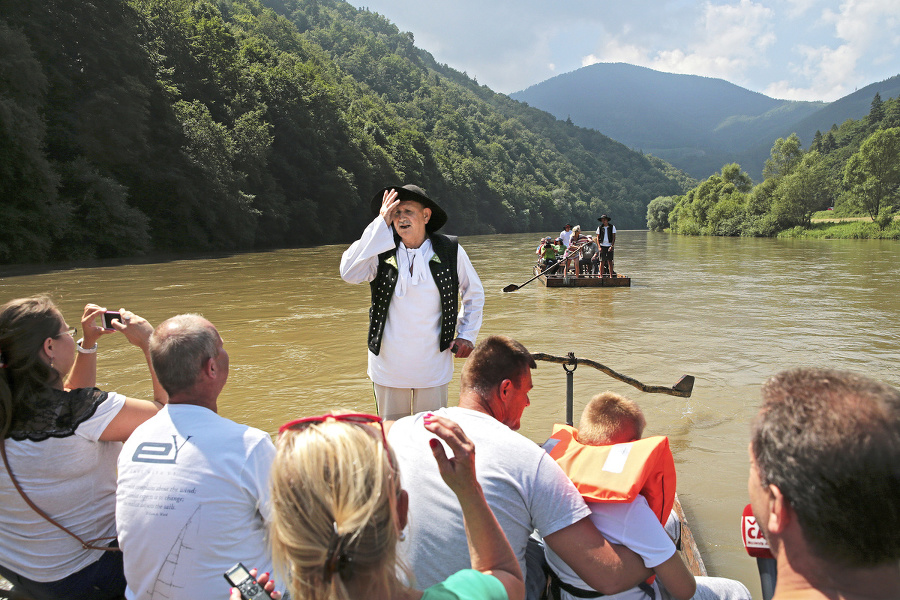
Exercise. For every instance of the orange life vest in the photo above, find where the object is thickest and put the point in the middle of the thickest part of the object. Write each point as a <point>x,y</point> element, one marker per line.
<point>618,472</point>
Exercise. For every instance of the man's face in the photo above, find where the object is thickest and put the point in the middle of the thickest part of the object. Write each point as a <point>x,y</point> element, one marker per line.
<point>516,399</point>
<point>604,222</point>
<point>409,222</point>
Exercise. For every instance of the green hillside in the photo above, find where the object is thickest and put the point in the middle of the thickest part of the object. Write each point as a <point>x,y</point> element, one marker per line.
<point>129,127</point>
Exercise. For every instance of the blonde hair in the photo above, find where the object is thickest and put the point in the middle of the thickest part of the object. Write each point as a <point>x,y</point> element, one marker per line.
<point>577,228</point>
<point>334,493</point>
<point>610,419</point>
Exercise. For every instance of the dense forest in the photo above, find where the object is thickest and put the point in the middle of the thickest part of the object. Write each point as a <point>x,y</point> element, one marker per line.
<point>854,168</point>
<point>129,127</point>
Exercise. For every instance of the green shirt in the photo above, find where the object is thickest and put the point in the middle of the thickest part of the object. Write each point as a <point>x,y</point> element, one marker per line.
<point>467,585</point>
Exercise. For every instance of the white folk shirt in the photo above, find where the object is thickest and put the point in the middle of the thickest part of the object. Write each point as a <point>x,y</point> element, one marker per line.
<point>409,355</point>
<point>603,238</point>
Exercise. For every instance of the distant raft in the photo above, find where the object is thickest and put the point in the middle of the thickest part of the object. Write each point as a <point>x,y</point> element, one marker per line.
<point>570,280</point>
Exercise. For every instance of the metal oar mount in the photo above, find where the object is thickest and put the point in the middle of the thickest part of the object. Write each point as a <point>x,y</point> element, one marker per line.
<point>683,388</point>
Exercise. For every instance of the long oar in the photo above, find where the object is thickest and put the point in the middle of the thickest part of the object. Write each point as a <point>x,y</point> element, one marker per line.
<point>683,388</point>
<point>513,287</point>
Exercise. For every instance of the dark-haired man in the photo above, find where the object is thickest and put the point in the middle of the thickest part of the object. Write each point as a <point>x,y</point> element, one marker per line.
<point>606,239</point>
<point>824,481</point>
<point>416,276</point>
<point>524,487</point>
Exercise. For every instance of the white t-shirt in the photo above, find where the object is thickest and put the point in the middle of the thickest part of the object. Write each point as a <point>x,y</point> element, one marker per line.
<point>72,479</point>
<point>524,487</point>
<point>193,500</point>
<point>603,238</point>
<point>631,524</point>
<point>565,236</point>
<point>410,356</point>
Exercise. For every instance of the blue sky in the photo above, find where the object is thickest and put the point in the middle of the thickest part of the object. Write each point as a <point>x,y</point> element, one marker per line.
<point>790,49</point>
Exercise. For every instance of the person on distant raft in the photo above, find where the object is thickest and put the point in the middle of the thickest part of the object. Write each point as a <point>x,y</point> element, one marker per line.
<point>606,238</point>
<point>417,277</point>
<point>566,234</point>
<point>547,252</point>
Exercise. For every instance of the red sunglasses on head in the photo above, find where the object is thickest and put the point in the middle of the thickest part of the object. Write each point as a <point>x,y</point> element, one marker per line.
<point>355,418</point>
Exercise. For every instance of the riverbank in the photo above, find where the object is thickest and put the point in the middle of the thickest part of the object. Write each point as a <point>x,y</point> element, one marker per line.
<point>845,229</point>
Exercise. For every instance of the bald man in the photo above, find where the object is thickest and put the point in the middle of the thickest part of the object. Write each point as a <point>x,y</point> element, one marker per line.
<point>193,495</point>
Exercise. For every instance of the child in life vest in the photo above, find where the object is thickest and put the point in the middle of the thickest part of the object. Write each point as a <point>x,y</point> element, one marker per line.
<point>605,449</point>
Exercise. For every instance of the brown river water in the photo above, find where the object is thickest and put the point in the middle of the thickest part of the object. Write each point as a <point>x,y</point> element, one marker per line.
<point>728,311</point>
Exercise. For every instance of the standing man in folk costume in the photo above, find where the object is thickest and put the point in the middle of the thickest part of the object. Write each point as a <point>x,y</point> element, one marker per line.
<point>606,238</point>
<point>416,277</point>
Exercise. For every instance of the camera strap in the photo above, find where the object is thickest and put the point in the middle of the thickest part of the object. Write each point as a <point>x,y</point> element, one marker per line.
<point>87,545</point>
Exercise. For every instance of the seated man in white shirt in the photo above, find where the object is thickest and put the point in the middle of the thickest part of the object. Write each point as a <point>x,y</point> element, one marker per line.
<point>193,489</point>
<point>416,277</point>
<point>524,487</point>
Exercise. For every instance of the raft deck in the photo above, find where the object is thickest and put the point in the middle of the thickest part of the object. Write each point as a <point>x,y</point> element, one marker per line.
<point>570,280</point>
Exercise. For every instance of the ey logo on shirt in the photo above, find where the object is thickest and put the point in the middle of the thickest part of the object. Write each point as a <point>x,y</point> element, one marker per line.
<point>158,452</point>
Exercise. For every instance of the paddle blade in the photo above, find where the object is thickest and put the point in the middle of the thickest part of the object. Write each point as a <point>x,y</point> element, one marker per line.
<point>685,384</point>
<point>511,288</point>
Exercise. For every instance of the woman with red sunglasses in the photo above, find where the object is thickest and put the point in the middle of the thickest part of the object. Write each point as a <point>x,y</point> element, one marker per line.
<point>339,512</point>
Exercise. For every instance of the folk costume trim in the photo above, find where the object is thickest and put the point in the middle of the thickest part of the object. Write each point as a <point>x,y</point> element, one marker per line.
<point>443,270</point>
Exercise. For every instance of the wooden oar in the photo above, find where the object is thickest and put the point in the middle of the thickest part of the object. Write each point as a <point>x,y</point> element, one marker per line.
<point>572,250</point>
<point>683,388</point>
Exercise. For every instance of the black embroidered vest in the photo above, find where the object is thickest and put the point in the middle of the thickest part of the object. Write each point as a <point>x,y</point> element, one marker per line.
<point>445,276</point>
<point>609,234</point>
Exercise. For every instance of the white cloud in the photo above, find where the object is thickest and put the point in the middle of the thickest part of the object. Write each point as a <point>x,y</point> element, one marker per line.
<point>802,49</point>
<point>726,42</point>
<point>864,33</point>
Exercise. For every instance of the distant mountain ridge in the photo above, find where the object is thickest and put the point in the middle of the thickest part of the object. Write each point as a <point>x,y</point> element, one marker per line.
<point>696,123</point>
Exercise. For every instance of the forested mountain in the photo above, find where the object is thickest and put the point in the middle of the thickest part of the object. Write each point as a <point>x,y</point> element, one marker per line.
<point>696,123</point>
<point>853,106</point>
<point>175,125</point>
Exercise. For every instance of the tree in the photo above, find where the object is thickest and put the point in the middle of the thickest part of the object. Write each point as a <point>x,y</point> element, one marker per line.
<point>804,191</point>
<point>28,218</point>
<point>658,212</point>
<point>872,175</point>
<point>876,112</point>
<point>786,154</point>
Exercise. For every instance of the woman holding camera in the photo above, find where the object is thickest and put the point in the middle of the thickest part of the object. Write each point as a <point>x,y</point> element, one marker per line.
<point>60,442</point>
<point>339,511</point>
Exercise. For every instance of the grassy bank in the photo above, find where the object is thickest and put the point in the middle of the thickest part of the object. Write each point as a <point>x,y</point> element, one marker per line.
<point>847,230</point>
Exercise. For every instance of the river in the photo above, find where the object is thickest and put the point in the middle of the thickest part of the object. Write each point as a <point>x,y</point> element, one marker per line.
<point>729,311</point>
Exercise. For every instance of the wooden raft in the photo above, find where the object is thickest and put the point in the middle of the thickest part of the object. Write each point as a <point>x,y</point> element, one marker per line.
<point>583,280</point>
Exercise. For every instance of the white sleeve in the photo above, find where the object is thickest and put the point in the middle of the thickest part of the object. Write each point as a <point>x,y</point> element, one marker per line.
<point>256,476</point>
<point>107,410</point>
<point>360,261</point>
<point>554,502</point>
<point>635,526</point>
<point>468,323</point>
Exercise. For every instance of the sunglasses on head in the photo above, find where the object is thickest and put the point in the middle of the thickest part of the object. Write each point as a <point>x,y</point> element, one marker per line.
<point>355,418</point>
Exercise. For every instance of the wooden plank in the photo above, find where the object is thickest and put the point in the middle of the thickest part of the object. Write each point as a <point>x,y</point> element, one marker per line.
<point>584,281</point>
<point>689,550</point>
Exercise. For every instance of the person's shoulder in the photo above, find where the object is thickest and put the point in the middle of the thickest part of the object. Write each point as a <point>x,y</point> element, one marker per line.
<point>468,583</point>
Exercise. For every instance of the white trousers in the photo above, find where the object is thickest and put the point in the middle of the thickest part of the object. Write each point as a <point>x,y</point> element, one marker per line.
<point>396,403</point>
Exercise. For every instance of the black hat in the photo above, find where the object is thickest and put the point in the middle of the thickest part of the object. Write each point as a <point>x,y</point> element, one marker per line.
<point>604,217</point>
<point>413,192</point>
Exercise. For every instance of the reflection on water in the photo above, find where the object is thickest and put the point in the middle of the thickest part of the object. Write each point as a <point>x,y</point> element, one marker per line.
<point>731,312</point>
